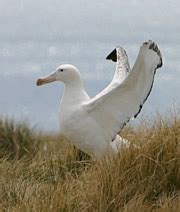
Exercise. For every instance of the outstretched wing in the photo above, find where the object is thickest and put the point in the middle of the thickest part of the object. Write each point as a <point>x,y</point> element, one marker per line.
<point>122,66</point>
<point>119,56</point>
<point>113,109</point>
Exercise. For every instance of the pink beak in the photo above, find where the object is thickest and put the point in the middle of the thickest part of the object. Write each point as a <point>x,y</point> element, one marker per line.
<point>44,80</point>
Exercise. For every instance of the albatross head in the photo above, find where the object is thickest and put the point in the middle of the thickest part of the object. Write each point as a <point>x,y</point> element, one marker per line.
<point>65,73</point>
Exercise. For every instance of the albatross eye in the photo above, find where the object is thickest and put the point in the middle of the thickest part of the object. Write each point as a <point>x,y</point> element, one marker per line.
<point>61,70</point>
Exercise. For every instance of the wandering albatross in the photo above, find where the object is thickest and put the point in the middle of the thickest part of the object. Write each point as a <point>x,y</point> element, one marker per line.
<point>93,124</point>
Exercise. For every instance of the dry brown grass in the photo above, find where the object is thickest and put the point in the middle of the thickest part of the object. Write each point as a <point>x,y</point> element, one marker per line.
<point>51,175</point>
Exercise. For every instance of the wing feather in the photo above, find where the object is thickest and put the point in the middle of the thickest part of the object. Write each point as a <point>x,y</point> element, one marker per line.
<point>115,107</point>
<point>119,56</point>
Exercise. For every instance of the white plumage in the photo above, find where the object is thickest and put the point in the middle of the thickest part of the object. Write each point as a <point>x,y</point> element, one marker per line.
<point>93,124</point>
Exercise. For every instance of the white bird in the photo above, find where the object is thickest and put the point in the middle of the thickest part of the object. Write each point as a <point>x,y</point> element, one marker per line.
<point>93,124</point>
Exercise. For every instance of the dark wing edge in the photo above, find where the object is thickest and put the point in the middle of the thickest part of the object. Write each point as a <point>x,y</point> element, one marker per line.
<point>155,48</point>
<point>112,56</point>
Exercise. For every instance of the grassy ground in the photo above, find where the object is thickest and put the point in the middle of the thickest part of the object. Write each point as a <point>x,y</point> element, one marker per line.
<point>41,172</point>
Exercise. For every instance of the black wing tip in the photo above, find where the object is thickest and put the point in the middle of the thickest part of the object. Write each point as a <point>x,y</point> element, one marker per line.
<point>112,56</point>
<point>153,46</point>
<point>160,64</point>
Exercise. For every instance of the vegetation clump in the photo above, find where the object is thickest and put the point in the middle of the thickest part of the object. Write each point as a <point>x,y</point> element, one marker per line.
<point>43,172</point>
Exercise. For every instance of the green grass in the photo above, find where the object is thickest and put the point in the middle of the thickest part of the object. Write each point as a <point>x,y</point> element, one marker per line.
<point>43,172</point>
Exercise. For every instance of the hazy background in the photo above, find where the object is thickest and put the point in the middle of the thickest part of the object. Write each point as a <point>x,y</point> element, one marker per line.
<point>36,36</point>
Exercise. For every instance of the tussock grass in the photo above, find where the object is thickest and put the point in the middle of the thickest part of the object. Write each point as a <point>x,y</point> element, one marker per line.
<point>17,140</point>
<point>58,177</point>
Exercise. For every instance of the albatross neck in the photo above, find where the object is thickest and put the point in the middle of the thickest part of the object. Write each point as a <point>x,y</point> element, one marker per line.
<point>74,92</point>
